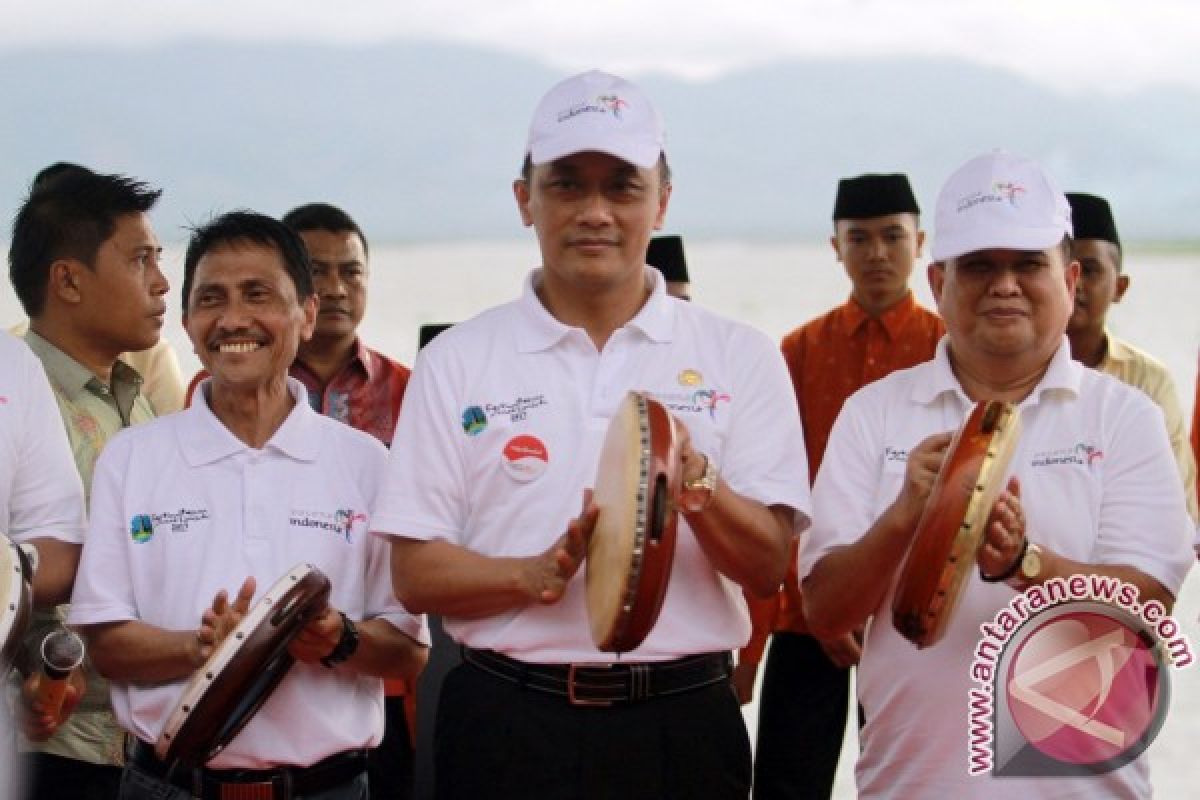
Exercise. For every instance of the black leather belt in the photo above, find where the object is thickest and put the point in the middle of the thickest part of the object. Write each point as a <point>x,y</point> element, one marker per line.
<point>606,684</point>
<point>282,783</point>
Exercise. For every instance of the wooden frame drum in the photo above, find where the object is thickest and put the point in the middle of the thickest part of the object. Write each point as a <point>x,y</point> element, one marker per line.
<point>950,532</point>
<point>633,544</point>
<point>16,595</point>
<point>243,670</point>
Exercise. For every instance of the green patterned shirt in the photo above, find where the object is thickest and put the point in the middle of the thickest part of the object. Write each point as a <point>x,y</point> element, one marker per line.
<point>92,412</point>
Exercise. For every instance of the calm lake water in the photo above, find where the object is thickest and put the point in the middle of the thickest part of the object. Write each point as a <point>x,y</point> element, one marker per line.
<point>776,286</point>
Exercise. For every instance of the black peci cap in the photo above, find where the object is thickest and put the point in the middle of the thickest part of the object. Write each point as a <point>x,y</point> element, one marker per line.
<point>1092,218</point>
<point>869,196</point>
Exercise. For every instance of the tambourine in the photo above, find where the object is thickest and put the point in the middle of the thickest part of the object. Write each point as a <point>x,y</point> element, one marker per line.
<point>633,544</point>
<point>243,670</point>
<point>951,528</point>
<point>16,594</point>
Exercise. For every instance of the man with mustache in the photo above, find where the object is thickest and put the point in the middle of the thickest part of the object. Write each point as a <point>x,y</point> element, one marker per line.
<point>84,262</point>
<point>877,237</point>
<point>1103,282</point>
<point>236,490</point>
<point>1004,281</point>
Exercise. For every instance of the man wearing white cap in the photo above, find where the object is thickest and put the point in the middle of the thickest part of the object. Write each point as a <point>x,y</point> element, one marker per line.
<point>1004,283</point>
<point>503,423</point>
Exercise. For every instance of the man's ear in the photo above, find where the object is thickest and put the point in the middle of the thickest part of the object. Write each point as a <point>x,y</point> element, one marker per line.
<point>64,281</point>
<point>520,189</point>
<point>1121,287</point>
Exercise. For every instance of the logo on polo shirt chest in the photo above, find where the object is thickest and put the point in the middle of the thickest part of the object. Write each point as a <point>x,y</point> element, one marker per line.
<point>1081,454</point>
<point>525,458</point>
<point>344,522</point>
<point>142,527</point>
<point>696,401</point>
<point>475,417</point>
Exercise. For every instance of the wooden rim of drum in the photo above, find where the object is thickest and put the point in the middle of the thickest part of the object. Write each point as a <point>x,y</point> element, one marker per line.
<point>621,615</point>
<point>309,583</point>
<point>16,594</point>
<point>922,612</point>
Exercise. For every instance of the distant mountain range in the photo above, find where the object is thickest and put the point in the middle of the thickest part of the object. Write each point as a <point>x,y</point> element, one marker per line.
<point>421,141</point>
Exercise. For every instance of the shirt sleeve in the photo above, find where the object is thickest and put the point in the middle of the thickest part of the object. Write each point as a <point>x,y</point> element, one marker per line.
<point>846,484</point>
<point>1163,393</point>
<point>1143,521</point>
<point>104,585</point>
<point>47,493</point>
<point>765,457</point>
<point>423,495</point>
<point>381,599</point>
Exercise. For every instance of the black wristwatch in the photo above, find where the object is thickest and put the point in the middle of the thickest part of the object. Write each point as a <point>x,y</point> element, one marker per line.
<point>346,645</point>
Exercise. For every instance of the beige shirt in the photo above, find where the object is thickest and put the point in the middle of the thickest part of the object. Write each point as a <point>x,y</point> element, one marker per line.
<point>92,413</point>
<point>1142,370</point>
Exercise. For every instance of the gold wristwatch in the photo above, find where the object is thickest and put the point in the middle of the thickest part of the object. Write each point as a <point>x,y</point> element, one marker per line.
<point>697,494</point>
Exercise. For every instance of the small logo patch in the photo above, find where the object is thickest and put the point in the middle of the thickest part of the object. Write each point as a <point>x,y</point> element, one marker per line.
<point>141,528</point>
<point>474,421</point>
<point>690,377</point>
<point>525,458</point>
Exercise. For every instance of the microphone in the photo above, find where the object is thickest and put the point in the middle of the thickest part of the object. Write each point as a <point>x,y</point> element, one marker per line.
<point>62,651</point>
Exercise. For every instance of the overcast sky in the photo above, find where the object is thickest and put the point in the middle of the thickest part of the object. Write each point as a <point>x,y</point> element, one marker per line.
<point>1113,45</point>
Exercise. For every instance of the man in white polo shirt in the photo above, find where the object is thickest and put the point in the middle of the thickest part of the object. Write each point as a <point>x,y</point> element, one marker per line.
<point>1004,282</point>
<point>41,497</point>
<point>239,488</point>
<point>502,426</point>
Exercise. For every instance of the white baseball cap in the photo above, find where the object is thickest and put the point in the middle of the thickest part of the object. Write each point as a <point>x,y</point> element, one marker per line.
<point>595,111</point>
<point>999,200</point>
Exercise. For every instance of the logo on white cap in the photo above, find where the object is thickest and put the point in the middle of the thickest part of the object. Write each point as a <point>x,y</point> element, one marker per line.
<point>999,200</point>
<point>595,111</point>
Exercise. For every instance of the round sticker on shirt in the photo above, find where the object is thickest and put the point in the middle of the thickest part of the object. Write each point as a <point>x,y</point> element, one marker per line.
<point>525,458</point>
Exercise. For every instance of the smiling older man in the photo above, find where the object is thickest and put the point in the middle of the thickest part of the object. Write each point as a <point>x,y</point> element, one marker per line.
<point>252,467</point>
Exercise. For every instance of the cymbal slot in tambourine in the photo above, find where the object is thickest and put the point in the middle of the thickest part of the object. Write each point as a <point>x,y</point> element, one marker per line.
<point>658,514</point>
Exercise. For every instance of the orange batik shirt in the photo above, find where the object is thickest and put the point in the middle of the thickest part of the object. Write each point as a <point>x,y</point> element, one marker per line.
<point>830,358</point>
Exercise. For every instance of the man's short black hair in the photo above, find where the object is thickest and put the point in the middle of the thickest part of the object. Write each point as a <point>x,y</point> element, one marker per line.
<point>324,217</point>
<point>248,226</point>
<point>69,213</point>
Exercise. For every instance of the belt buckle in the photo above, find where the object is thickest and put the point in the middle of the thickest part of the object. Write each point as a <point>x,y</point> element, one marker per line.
<point>572,698</point>
<point>262,790</point>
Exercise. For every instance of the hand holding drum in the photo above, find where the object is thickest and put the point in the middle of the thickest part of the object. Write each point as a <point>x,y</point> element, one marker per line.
<point>950,532</point>
<point>246,663</point>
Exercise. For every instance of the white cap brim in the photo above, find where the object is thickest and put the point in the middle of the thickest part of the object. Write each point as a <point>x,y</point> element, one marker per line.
<point>959,243</point>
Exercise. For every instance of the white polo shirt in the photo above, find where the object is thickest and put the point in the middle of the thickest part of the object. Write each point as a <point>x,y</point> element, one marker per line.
<point>1098,485</point>
<point>503,422</point>
<point>41,495</point>
<point>222,511</point>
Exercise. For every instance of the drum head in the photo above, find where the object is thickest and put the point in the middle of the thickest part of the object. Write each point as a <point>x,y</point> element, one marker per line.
<point>16,594</point>
<point>243,670</point>
<point>633,544</point>
<point>950,532</point>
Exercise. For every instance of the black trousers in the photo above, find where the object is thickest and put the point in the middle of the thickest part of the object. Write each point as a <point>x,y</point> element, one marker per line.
<point>50,777</point>
<point>390,766</point>
<point>801,720</point>
<point>497,740</point>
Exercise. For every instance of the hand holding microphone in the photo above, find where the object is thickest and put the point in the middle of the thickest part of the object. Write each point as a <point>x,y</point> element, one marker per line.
<point>52,694</point>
